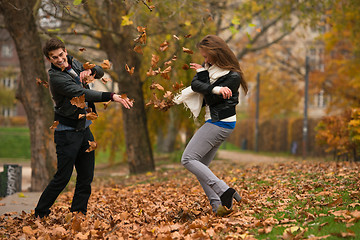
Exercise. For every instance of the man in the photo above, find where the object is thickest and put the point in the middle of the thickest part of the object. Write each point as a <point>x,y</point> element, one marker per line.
<point>72,135</point>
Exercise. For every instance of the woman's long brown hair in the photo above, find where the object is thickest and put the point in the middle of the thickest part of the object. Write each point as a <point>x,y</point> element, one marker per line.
<point>221,55</point>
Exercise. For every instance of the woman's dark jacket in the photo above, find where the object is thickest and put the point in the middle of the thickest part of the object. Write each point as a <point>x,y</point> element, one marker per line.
<point>64,87</point>
<point>220,108</point>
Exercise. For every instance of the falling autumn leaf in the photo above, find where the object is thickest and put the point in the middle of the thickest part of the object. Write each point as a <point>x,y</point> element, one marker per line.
<point>138,49</point>
<point>164,46</point>
<point>154,60</point>
<point>105,80</point>
<point>157,86</point>
<point>106,104</point>
<point>41,82</point>
<point>79,101</point>
<point>187,36</point>
<point>92,146</point>
<point>186,50</point>
<point>185,67</point>
<point>177,86</point>
<point>176,37</point>
<point>54,125</point>
<point>91,116</point>
<point>82,49</point>
<point>89,79</point>
<point>106,64</point>
<point>88,65</point>
<point>130,71</point>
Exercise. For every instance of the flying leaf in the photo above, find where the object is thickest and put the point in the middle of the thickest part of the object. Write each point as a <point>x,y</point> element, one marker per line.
<point>141,29</point>
<point>177,86</point>
<point>88,65</point>
<point>138,49</point>
<point>158,86</point>
<point>91,116</point>
<point>151,72</point>
<point>187,36</point>
<point>105,80</point>
<point>176,37</point>
<point>126,20</point>
<point>54,125</point>
<point>106,104</point>
<point>186,50</point>
<point>185,67</point>
<point>168,62</point>
<point>130,71</point>
<point>89,79</point>
<point>106,64</point>
<point>79,101</point>
<point>169,95</point>
<point>141,38</point>
<point>164,46</point>
<point>41,82</point>
<point>92,146</point>
<point>82,49</point>
<point>174,58</point>
<point>154,60</point>
<point>167,70</point>
<point>76,2</point>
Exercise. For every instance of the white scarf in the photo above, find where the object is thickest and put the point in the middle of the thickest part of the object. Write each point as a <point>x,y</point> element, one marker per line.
<point>194,100</point>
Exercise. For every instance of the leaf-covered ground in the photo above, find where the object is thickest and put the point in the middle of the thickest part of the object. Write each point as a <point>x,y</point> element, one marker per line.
<point>291,200</point>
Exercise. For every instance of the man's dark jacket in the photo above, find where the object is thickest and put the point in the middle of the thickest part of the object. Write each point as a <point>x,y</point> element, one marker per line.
<point>64,87</point>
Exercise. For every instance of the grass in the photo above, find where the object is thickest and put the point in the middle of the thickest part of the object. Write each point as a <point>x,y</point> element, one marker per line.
<point>14,143</point>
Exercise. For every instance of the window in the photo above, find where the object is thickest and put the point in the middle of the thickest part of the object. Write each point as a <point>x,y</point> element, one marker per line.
<point>6,51</point>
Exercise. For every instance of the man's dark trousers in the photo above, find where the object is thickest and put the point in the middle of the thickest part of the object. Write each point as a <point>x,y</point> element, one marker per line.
<point>70,150</point>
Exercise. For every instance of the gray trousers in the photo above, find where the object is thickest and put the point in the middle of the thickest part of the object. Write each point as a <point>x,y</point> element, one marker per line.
<point>197,156</point>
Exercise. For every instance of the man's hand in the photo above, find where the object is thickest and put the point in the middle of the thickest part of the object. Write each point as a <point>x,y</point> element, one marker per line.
<point>85,74</point>
<point>125,102</point>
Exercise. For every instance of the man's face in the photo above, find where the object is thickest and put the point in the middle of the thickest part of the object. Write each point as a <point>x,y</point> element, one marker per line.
<point>58,58</point>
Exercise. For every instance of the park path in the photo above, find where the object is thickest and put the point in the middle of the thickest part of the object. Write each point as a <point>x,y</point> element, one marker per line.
<point>26,201</point>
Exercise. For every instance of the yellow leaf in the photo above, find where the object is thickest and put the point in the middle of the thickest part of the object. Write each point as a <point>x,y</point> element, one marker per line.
<point>126,21</point>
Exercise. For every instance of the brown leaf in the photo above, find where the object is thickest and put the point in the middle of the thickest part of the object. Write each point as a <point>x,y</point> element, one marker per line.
<point>154,60</point>
<point>167,70</point>
<point>130,71</point>
<point>141,38</point>
<point>141,29</point>
<point>88,65</point>
<point>176,37</point>
<point>158,86</point>
<point>28,230</point>
<point>174,58</point>
<point>82,49</point>
<point>167,63</point>
<point>89,79</point>
<point>168,95</point>
<point>177,86</point>
<point>79,101</point>
<point>41,82</point>
<point>105,80</point>
<point>186,50</point>
<point>138,49</point>
<point>185,67</point>
<point>187,36</point>
<point>91,116</point>
<point>106,64</point>
<point>106,104</point>
<point>151,72</point>
<point>164,46</point>
<point>92,146</point>
<point>54,125</point>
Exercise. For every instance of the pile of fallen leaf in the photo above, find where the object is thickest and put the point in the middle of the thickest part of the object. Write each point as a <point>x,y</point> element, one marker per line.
<point>171,205</point>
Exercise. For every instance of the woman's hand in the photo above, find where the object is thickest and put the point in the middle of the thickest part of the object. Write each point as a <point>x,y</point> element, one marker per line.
<point>124,101</point>
<point>195,66</point>
<point>225,92</point>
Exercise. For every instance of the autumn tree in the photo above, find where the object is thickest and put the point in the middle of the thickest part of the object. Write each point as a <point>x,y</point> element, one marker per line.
<point>19,17</point>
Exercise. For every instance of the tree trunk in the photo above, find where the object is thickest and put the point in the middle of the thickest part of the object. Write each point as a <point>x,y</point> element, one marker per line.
<point>138,146</point>
<point>20,22</point>
<point>166,140</point>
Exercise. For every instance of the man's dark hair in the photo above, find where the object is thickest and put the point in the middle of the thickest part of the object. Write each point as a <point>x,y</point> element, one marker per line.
<point>52,45</point>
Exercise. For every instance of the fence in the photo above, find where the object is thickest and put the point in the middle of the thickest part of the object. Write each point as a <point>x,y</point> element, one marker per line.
<point>277,135</point>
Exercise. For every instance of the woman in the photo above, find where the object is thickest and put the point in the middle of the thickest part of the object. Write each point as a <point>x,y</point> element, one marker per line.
<point>218,82</point>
